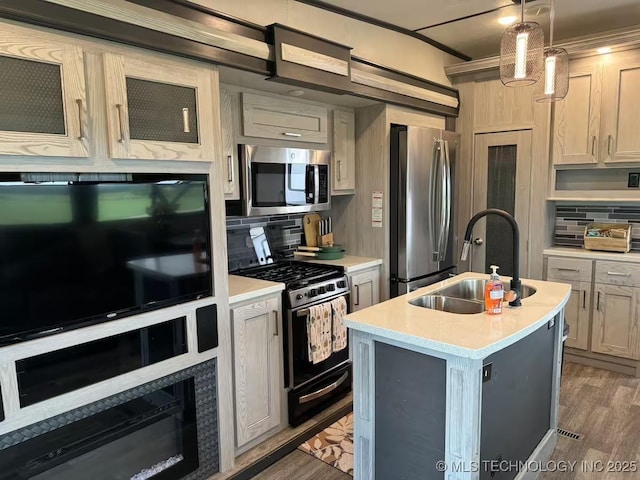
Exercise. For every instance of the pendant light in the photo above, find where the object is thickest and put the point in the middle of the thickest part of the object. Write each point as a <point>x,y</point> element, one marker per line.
<point>521,52</point>
<point>555,84</point>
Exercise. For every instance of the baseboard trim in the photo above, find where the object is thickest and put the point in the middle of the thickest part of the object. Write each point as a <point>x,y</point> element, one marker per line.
<point>603,364</point>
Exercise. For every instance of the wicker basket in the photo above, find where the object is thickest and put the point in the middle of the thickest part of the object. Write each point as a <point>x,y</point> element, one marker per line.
<point>620,243</point>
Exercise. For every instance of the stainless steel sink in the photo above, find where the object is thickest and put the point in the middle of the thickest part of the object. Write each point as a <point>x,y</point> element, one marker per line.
<point>473,289</point>
<point>463,297</point>
<point>448,304</point>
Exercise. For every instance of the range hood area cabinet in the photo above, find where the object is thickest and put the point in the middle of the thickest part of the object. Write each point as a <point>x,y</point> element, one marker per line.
<point>597,122</point>
<point>261,118</point>
<point>77,99</point>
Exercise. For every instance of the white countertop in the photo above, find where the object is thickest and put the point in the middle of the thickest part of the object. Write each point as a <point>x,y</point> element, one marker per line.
<point>350,263</point>
<point>467,335</point>
<point>633,257</point>
<point>245,288</point>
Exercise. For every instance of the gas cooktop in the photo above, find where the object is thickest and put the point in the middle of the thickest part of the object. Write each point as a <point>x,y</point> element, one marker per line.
<point>293,274</point>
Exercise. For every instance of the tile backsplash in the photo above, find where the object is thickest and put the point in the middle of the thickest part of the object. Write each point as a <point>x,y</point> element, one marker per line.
<point>571,219</point>
<point>284,233</point>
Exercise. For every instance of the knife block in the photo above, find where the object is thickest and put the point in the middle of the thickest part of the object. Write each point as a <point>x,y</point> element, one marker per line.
<point>325,240</point>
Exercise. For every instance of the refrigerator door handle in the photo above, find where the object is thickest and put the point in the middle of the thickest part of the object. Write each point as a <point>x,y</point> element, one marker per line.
<point>436,209</point>
<point>446,201</point>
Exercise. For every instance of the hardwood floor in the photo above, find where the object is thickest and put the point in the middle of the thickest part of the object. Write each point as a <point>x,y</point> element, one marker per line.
<point>301,466</point>
<point>602,406</point>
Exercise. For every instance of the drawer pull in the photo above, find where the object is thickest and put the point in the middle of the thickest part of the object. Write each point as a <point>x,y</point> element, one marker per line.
<point>276,329</point>
<point>584,299</point>
<point>339,170</point>
<point>598,302</point>
<point>357,302</point>
<point>290,134</point>
<point>593,145</point>
<point>609,142</point>
<point>120,123</point>
<point>619,274</point>
<point>229,168</point>
<point>185,121</point>
<point>79,103</point>
<point>568,269</point>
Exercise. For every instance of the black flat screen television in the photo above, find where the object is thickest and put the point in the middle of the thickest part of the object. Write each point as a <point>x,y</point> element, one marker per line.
<point>78,249</point>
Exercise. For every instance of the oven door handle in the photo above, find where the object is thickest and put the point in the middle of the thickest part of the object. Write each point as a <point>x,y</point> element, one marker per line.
<point>325,390</point>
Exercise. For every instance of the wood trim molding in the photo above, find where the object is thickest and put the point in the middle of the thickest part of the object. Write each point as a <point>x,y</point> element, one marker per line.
<point>378,81</point>
<point>309,58</point>
<point>618,40</point>
<point>164,22</point>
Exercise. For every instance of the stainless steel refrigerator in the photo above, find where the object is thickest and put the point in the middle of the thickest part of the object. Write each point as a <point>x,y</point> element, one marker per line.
<point>421,201</point>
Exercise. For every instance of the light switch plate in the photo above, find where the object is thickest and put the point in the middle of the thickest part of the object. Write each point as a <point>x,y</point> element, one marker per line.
<point>634,180</point>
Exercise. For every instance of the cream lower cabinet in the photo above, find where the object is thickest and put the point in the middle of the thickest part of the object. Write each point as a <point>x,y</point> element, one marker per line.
<point>616,321</point>
<point>577,314</point>
<point>258,379</point>
<point>365,288</point>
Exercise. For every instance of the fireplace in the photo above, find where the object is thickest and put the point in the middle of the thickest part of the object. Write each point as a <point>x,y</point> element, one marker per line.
<point>165,430</point>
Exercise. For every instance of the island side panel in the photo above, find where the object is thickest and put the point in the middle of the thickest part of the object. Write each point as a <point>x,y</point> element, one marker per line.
<point>410,413</point>
<point>361,353</point>
<point>518,401</point>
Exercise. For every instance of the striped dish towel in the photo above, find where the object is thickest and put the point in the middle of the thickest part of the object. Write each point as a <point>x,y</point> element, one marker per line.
<point>339,334</point>
<point>319,332</point>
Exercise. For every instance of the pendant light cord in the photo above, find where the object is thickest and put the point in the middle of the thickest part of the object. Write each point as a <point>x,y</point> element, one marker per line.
<point>552,16</point>
<point>522,2</point>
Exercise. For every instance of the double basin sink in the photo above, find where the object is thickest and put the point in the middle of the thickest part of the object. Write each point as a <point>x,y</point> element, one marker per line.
<point>464,297</point>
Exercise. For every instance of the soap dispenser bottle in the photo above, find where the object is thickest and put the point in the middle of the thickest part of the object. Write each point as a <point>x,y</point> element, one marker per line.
<point>494,293</point>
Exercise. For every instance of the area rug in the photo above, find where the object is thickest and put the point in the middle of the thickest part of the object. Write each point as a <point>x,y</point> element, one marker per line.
<point>334,445</point>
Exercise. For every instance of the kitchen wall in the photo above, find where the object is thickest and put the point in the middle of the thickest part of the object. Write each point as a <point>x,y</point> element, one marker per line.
<point>284,233</point>
<point>571,219</point>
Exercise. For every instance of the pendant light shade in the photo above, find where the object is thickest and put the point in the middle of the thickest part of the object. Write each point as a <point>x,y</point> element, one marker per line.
<point>521,53</point>
<point>555,82</point>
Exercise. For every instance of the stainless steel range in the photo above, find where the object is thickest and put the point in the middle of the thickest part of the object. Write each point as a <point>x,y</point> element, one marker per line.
<point>311,387</point>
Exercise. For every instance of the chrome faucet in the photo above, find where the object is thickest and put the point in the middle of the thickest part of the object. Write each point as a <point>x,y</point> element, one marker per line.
<point>515,285</point>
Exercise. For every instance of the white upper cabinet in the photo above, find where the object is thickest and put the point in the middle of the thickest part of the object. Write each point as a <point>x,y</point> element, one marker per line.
<point>344,153</point>
<point>229,146</point>
<point>158,110</point>
<point>270,117</point>
<point>43,105</point>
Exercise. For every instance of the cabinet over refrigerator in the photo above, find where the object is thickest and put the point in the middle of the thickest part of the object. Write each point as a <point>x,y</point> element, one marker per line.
<point>421,202</point>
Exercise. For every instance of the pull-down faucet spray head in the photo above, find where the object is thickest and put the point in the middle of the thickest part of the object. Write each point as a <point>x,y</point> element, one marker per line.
<point>465,250</point>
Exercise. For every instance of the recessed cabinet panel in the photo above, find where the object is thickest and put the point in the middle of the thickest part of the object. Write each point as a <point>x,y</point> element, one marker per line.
<point>158,110</point>
<point>625,142</point>
<point>615,321</point>
<point>228,101</point>
<point>365,289</point>
<point>344,152</point>
<point>43,107</point>
<point>162,112</point>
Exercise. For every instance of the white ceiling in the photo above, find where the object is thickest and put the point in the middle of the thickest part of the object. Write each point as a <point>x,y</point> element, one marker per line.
<point>479,36</point>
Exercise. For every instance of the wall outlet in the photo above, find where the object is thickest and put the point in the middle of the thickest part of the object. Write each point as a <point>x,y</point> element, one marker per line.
<point>634,180</point>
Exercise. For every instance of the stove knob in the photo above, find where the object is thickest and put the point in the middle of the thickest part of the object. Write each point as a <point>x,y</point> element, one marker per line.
<point>342,284</point>
<point>313,292</point>
<point>299,296</point>
<point>322,290</point>
<point>331,287</point>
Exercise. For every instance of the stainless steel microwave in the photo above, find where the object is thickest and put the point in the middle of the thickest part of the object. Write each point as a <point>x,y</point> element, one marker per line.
<point>284,180</point>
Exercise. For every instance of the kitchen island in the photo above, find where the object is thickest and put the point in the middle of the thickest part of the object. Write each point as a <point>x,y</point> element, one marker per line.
<point>442,395</point>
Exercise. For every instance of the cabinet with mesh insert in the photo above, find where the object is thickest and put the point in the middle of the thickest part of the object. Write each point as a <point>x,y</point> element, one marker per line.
<point>43,108</point>
<point>159,109</point>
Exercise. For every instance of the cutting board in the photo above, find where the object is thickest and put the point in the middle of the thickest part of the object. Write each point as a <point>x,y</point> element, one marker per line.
<point>310,224</point>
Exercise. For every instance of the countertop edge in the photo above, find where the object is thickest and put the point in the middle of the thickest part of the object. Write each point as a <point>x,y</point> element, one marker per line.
<point>363,266</point>
<point>568,252</point>
<point>366,263</point>
<point>242,297</point>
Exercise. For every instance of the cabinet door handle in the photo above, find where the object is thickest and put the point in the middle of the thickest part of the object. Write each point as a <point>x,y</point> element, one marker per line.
<point>619,274</point>
<point>568,269</point>
<point>357,301</point>
<point>79,103</point>
<point>339,170</point>
<point>276,329</point>
<point>120,122</point>
<point>185,120</point>
<point>593,145</point>
<point>584,299</point>
<point>598,302</point>
<point>229,168</point>
<point>290,134</point>
<point>609,142</point>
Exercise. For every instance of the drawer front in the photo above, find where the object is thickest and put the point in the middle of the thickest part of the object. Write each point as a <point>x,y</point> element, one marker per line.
<point>560,268</point>
<point>618,273</point>
<point>268,117</point>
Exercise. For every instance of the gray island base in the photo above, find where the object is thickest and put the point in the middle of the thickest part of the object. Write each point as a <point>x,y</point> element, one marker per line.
<point>439,395</point>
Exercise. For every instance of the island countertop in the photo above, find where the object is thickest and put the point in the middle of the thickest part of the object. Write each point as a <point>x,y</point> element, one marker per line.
<point>467,335</point>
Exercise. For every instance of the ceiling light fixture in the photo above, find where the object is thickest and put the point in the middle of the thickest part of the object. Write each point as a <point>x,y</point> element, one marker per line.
<point>508,20</point>
<point>603,50</point>
<point>296,93</point>
<point>556,70</point>
<point>521,51</point>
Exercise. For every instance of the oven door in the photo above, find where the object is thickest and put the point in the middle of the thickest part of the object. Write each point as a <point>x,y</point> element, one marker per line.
<point>282,180</point>
<point>300,369</point>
